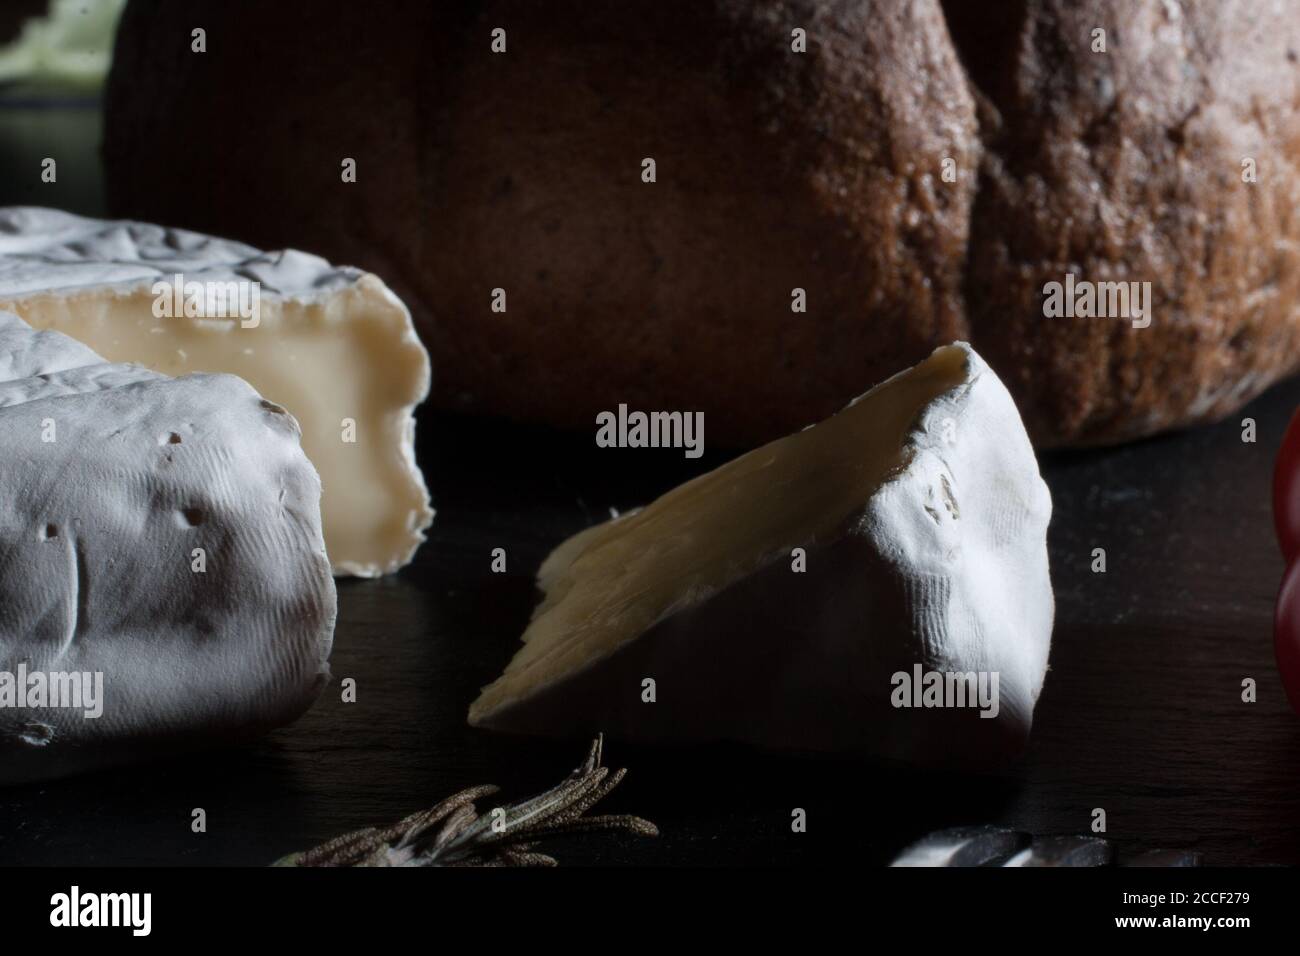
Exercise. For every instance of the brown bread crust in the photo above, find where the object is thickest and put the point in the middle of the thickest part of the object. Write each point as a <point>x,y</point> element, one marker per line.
<point>775,170</point>
<point>1127,165</point>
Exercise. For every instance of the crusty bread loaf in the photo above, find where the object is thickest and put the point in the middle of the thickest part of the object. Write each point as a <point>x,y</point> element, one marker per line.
<point>1128,165</point>
<point>775,170</point>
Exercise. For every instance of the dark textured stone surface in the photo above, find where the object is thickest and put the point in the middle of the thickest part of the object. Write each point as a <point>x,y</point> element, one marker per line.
<point>1141,713</point>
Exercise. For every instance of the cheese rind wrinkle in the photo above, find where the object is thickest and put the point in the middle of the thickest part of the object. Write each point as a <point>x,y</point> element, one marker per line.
<point>164,533</point>
<point>923,518</point>
<point>333,345</point>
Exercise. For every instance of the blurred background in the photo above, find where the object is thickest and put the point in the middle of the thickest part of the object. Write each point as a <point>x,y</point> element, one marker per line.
<point>53,61</point>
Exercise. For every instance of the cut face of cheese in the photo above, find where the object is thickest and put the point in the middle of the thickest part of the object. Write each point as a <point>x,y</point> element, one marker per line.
<point>160,552</point>
<point>332,345</point>
<point>922,521</point>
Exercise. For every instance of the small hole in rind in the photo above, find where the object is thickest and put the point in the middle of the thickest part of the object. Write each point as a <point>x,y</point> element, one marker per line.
<point>272,407</point>
<point>193,516</point>
<point>51,531</point>
<point>173,439</point>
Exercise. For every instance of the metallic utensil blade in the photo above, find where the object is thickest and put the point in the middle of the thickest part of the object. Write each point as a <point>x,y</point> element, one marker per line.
<point>1064,851</point>
<point>963,846</point>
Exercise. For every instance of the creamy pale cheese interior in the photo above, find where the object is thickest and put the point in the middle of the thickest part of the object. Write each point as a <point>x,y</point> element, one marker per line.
<point>346,355</point>
<point>608,584</point>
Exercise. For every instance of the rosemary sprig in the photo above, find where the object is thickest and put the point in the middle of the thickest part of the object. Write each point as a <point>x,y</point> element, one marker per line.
<point>454,833</point>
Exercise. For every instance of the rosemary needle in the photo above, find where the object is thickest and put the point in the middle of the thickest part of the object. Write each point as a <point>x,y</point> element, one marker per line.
<point>454,833</point>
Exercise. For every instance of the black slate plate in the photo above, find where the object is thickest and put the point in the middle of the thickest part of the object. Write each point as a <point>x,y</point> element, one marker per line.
<point>1141,715</point>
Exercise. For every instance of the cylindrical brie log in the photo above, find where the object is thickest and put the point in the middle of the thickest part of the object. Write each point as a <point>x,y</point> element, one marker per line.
<point>163,578</point>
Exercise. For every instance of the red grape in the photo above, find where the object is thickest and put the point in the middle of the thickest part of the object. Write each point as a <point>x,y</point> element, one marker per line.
<point>1286,633</point>
<point>1286,491</point>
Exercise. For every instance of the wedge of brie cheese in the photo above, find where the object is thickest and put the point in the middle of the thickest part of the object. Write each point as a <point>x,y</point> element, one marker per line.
<point>332,345</point>
<point>875,584</point>
<point>163,577</point>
